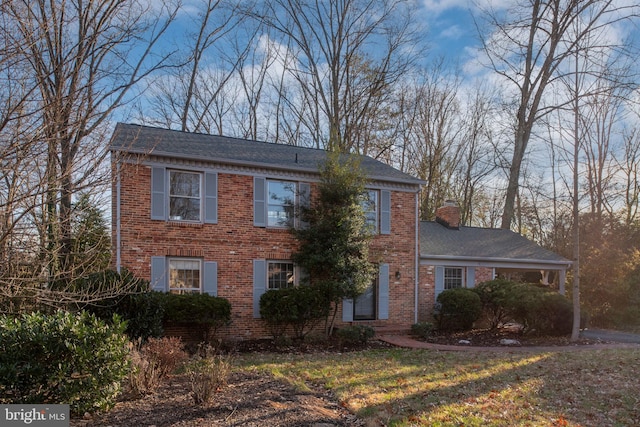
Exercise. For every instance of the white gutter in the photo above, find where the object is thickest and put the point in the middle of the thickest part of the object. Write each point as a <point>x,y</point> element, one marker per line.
<point>417,263</point>
<point>118,222</point>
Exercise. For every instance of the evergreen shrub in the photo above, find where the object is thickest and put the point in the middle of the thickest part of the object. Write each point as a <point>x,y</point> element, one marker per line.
<point>299,307</point>
<point>457,309</point>
<point>207,311</point>
<point>66,358</point>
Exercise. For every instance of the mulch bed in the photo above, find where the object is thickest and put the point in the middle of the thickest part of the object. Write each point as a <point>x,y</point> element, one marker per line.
<point>258,399</point>
<point>492,338</point>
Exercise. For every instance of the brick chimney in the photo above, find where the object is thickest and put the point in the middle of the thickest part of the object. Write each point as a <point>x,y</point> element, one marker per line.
<point>449,215</point>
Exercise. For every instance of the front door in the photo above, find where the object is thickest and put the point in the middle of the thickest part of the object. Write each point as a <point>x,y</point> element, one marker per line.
<point>364,307</point>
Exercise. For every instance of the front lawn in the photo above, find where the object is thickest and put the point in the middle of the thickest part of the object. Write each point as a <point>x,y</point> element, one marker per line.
<point>428,388</point>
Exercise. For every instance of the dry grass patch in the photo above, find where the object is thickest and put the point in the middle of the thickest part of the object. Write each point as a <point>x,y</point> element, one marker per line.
<point>428,388</point>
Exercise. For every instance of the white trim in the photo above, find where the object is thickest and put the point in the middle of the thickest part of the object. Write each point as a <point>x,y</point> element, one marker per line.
<point>118,219</point>
<point>201,196</point>
<point>495,263</point>
<point>200,275</point>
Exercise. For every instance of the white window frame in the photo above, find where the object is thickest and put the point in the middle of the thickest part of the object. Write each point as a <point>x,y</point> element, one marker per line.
<point>272,264</point>
<point>199,198</point>
<point>170,275</point>
<point>272,215</point>
<point>449,279</point>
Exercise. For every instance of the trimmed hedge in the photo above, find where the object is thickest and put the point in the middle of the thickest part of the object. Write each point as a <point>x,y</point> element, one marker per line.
<point>141,308</point>
<point>207,311</point>
<point>457,309</point>
<point>540,311</point>
<point>76,359</point>
<point>496,296</point>
<point>300,308</point>
<point>356,334</point>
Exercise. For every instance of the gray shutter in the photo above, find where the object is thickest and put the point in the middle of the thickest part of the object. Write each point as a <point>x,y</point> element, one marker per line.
<point>439,281</point>
<point>471,277</point>
<point>158,190</point>
<point>304,201</point>
<point>385,212</point>
<point>383,292</point>
<point>210,278</point>
<point>210,198</point>
<point>259,202</point>
<point>259,284</point>
<point>347,310</point>
<point>158,274</point>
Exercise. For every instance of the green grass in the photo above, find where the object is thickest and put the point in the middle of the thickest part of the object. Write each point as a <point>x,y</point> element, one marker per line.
<point>429,388</point>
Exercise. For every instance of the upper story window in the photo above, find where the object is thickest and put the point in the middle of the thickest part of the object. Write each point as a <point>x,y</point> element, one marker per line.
<point>184,275</point>
<point>179,195</point>
<point>184,196</point>
<point>453,278</point>
<point>281,203</point>
<point>370,207</point>
<point>280,275</point>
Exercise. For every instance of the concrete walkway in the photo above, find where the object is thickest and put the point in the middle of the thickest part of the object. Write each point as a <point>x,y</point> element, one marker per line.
<point>615,336</point>
<point>408,342</point>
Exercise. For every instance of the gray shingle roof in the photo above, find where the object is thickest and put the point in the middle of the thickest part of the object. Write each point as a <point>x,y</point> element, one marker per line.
<point>131,138</point>
<point>438,241</point>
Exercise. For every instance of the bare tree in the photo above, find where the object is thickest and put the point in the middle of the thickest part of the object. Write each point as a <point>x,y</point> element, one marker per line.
<point>75,63</point>
<point>477,159</point>
<point>527,46</point>
<point>349,54</point>
<point>189,94</point>
<point>629,164</point>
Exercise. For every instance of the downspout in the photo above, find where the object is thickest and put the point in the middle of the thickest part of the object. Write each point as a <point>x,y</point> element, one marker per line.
<point>118,222</point>
<point>417,263</point>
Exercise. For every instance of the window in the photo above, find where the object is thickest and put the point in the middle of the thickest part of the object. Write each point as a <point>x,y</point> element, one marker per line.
<point>184,275</point>
<point>370,207</point>
<point>281,203</point>
<point>280,275</point>
<point>184,196</point>
<point>453,278</point>
<point>364,307</point>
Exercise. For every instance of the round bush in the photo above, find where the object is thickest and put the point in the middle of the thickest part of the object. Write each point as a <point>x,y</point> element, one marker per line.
<point>540,310</point>
<point>75,359</point>
<point>299,307</point>
<point>495,295</point>
<point>457,309</point>
<point>209,312</point>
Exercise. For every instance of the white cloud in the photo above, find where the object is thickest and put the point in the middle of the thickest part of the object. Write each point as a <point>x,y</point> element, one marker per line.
<point>453,32</point>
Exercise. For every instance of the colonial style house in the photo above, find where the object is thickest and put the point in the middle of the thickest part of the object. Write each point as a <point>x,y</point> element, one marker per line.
<point>201,213</point>
<point>454,256</point>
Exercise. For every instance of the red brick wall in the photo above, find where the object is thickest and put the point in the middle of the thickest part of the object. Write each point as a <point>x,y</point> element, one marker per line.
<point>234,243</point>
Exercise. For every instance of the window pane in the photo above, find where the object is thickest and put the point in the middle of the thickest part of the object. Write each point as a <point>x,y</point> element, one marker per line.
<point>184,209</point>
<point>370,208</point>
<point>452,278</point>
<point>184,275</point>
<point>281,275</point>
<point>184,184</point>
<point>184,196</point>
<point>281,203</point>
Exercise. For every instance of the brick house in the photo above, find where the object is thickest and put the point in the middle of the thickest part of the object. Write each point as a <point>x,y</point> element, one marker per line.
<point>453,256</point>
<point>201,213</point>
